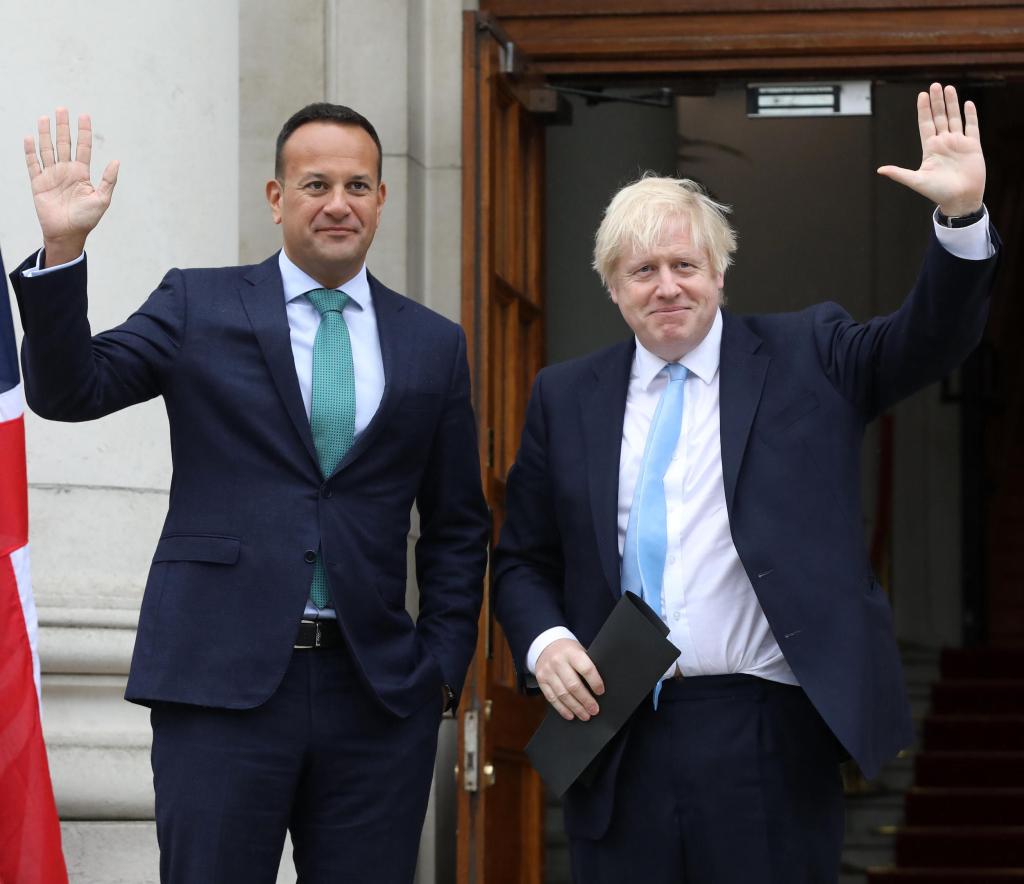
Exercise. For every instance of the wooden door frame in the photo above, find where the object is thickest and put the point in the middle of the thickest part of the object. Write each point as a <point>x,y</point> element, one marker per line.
<point>605,40</point>
<point>501,298</point>
<point>581,38</point>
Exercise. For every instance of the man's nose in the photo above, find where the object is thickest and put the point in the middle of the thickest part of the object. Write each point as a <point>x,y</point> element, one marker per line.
<point>337,203</point>
<point>667,284</point>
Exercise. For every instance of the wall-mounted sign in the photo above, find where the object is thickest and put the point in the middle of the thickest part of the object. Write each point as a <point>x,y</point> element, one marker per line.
<point>809,99</point>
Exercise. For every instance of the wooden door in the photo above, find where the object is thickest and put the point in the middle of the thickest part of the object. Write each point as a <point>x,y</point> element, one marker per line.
<point>501,800</point>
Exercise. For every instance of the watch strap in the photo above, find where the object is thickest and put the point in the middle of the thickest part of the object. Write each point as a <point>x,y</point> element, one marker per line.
<point>960,220</point>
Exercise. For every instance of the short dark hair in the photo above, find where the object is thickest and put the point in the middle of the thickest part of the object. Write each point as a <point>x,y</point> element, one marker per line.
<point>323,112</point>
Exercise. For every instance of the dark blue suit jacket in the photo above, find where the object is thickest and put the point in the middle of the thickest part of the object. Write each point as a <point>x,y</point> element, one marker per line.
<point>796,391</point>
<point>231,573</point>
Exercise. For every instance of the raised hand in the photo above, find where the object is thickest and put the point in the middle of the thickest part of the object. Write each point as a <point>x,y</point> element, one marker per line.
<point>67,204</point>
<point>952,171</point>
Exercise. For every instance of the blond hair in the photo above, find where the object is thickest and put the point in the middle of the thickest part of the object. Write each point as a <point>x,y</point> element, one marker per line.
<point>637,214</point>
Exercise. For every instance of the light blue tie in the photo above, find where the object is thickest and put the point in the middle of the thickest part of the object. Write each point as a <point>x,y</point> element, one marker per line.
<point>643,554</point>
<point>332,406</point>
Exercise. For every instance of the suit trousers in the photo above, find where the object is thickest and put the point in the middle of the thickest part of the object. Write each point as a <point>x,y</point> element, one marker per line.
<point>733,780</point>
<point>321,759</point>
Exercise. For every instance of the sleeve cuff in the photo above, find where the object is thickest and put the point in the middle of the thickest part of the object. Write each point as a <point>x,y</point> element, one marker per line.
<point>42,271</point>
<point>972,243</point>
<point>538,645</point>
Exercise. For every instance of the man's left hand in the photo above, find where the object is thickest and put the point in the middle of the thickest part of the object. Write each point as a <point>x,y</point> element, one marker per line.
<point>952,172</point>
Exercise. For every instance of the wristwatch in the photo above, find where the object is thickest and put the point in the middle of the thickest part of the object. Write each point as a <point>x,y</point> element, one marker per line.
<point>960,220</point>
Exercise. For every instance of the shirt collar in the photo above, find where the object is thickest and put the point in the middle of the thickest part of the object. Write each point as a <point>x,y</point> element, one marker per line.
<point>297,282</point>
<point>702,360</point>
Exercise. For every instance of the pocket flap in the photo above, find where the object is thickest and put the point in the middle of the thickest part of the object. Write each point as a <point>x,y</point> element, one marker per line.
<point>791,413</point>
<point>197,548</point>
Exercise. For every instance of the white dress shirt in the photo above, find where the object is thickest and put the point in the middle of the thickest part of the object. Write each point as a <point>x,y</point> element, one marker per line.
<point>708,602</point>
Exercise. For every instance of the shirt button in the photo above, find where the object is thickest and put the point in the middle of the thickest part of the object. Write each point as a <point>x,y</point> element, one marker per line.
<point>310,556</point>
<point>676,615</point>
<point>671,560</point>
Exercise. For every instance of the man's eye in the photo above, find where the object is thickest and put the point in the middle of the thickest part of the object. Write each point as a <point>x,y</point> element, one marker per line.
<point>359,185</point>
<point>315,185</point>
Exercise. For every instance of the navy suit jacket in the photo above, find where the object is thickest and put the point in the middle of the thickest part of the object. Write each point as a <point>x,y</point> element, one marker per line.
<point>796,392</point>
<point>232,570</point>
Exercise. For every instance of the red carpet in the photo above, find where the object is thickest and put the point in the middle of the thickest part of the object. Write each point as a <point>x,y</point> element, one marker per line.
<point>964,814</point>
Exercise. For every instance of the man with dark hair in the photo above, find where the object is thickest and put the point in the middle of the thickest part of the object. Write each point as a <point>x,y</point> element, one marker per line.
<point>322,111</point>
<point>310,407</point>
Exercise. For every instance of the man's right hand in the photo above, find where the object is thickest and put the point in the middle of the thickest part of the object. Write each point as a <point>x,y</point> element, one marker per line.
<point>67,204</point>
<point>564,672</point>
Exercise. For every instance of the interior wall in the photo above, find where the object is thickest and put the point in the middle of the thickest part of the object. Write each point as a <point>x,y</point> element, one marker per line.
<point>815,223</point>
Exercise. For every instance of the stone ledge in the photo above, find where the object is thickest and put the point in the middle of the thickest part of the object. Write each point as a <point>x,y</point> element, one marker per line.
<point>116,852</point>
<point>86,650</point>
<point>102,618</point>
<point>125,852</point>
<point>91,709</point>
<point>102,782</point>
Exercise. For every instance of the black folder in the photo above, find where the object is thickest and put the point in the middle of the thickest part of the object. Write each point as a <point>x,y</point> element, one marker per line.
<point>631,652</point>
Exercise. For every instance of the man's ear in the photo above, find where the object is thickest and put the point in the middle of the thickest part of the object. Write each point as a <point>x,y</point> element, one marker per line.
<point>274,194</point>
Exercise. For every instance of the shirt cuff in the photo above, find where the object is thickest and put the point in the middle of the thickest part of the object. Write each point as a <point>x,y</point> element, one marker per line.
<point>42,271</point>
<point>538,645</point>
<point>972,243</point>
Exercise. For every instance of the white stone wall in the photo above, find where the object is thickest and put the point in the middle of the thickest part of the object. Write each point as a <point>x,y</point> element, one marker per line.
<point>190,96</point>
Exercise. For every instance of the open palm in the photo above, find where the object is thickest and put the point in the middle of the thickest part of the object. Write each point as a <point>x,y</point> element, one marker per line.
<point>67,204</point>
<point>952,170</point>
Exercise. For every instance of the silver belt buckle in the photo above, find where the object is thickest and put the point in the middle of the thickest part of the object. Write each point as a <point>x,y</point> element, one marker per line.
<point>316,640</point>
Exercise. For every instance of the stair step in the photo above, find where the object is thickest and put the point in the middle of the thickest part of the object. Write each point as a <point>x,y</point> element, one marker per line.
<point>944,876</point>
<point>970,769</point>
<point>959,847</point>
<point>982,662</point>
<point>1001,696</point>
<point>970,807</point>
<point>867,813</point>
<point>964,732</point>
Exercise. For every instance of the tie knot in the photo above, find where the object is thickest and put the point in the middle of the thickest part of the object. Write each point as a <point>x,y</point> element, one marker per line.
<point>676,372</point>
<point>328,300</point>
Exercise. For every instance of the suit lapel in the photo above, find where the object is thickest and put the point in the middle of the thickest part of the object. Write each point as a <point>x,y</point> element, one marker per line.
<point>396,346</point>
<point>262,297</point>
<point>741,382</point>
<point>603,408</point>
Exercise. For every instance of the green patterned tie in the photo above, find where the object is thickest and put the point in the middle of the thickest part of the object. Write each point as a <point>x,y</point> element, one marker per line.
<point>332,408</point>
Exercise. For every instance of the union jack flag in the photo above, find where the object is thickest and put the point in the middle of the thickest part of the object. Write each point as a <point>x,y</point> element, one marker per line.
<point>30,848</point>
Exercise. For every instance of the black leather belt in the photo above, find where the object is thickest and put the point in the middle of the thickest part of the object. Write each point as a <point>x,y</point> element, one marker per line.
<point>314,634</point>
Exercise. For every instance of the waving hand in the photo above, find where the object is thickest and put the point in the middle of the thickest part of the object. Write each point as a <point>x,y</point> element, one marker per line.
<point>67,204</point>
<point>952,171</point>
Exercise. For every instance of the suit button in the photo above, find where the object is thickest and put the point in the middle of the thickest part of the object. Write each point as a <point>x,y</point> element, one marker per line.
<point>309,556</point>
<point>325,491</point>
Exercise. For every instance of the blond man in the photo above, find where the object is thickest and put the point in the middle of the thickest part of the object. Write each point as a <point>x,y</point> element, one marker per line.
<point>710,464</point>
